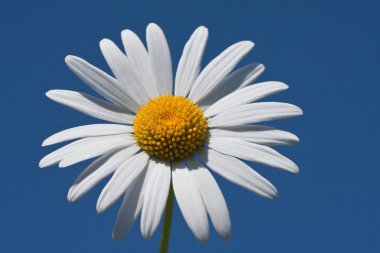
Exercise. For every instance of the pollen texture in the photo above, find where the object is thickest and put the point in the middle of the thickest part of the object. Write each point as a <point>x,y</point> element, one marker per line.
<point>170,127</point>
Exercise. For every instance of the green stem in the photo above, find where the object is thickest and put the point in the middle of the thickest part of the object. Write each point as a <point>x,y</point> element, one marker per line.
<point>167,221</point>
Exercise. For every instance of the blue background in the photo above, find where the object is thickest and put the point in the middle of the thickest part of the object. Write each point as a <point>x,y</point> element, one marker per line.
<point>327,51</point>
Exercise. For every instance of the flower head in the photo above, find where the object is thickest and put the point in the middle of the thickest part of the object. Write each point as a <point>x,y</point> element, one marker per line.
<point>170,128</point>
<point>165,131</point>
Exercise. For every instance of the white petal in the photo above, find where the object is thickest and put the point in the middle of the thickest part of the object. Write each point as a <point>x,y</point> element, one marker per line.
<point>190,202</point>
<point>155,196</point>
<point>244,96</point>
<point>87,131</point>
<point>238,172</point>
<point>90,105</point>
<point>98,170</point>
<point>244,76</point>
<point>120,66</point>
<point>151,165</point>
<point>190,63</point>
<point>126,174</point>
<point>139,59</point>
<point>212,198</point>
<point>160,59</point>
<point>234,81</point>
<point>129,209</point>
<point>218,69</point>
<point>127,217</point>
<point>254,113</point>
<point>101,82</point>
<point>252,152</point>
<point>60,153</point>
<point>100,146</point>
<point>263,135</point>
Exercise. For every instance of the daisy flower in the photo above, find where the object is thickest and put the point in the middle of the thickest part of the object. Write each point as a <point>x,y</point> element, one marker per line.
<point>166,135</point>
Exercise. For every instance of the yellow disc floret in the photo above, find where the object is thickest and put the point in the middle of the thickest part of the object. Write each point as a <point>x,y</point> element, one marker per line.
<point>170,127</point>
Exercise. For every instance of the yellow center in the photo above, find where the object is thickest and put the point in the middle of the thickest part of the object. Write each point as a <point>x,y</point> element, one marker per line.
<point>170,127</point>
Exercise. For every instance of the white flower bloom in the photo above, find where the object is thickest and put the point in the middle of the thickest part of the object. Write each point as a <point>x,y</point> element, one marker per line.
<point>167,131</point>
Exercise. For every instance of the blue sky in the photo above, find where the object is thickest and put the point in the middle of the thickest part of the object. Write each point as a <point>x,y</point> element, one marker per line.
<point>326,51</point>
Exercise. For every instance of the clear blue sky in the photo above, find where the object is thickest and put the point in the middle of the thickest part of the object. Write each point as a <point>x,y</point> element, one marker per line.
<point>326,51</point>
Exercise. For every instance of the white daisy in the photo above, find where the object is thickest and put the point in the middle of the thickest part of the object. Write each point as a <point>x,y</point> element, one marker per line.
<point>167,131</point>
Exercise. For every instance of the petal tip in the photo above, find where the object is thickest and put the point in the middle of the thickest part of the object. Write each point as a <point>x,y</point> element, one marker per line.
<point>284,86</point>
<point>41,164</point>
<point>202,239</point>
<point>146,231</point>
<point>202,236</point>
<point>70,199</point>
<point>270,192</point>
<point>146,236</point>
<point>105,43</point>
<point>49,93</point>
<point>116,236</point>
<point>273,194</point>
<point>295,169</point>
<point>71,196</point>
<point>69,59</point>
<point>53,93</point>
<point>226,236</point>
<point>298,110</point>
<point>99,208</point>
<point>247,43</point>
<point>100,205</point>
<point>152,26</point>
<point>62,164</point>
<point>123,32</point>
<point>202,28</point>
